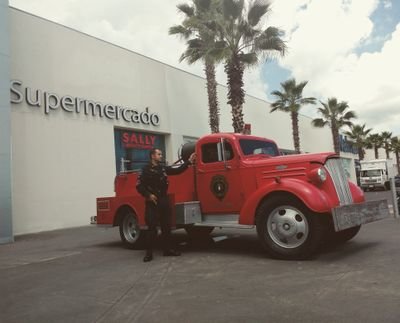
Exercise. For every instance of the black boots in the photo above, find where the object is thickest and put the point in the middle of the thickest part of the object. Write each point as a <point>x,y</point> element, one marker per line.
<point>148,257</point>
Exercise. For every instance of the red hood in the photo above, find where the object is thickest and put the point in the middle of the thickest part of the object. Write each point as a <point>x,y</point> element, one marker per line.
<point>289,159</point>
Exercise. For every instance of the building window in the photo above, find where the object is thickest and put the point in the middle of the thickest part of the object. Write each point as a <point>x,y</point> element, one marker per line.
<point>132,148</point>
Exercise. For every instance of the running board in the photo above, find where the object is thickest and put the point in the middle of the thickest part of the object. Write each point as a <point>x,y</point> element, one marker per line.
<point>233,225</point>
<point>222,221</point>
<point>189,213</point>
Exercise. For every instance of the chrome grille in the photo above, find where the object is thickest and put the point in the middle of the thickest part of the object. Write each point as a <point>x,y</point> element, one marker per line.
<point>338,175</point>
<point>371,181</point>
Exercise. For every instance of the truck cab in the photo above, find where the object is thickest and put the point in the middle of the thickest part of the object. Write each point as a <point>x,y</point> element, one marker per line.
<point>223,179</point>
<point>294,202</point>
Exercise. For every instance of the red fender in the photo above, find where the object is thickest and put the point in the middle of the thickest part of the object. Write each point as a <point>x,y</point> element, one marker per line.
<point>314,198</point>
<point>136,204</point>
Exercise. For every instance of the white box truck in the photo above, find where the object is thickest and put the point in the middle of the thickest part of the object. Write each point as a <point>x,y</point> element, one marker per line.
<point>376,173</point>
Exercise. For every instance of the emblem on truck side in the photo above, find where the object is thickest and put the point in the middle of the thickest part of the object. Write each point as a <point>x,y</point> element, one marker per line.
<point>219,186</point>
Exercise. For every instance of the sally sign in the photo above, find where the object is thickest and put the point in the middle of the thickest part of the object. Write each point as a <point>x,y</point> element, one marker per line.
<point>137,140</point>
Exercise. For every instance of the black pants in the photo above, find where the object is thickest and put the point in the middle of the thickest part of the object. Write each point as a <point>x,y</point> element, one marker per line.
<point>158,214</point>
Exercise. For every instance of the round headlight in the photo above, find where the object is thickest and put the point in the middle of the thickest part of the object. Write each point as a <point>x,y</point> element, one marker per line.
<point>322,174</point>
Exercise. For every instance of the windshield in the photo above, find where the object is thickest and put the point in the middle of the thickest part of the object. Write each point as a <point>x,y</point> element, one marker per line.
<point>371,173</point>
<point>257,147</point>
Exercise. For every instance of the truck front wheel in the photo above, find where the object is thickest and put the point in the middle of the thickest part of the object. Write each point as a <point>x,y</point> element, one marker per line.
<point>287,229</point>
<point>129,230</point>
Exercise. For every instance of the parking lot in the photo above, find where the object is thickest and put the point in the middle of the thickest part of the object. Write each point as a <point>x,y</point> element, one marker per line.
<point>84,275</point>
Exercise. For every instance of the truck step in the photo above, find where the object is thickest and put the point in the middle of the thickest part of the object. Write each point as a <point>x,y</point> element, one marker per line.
<point>224,224</point>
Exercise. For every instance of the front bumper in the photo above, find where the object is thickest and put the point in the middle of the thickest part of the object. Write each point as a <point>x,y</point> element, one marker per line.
<point>348,216</point>
<point>372,185</point>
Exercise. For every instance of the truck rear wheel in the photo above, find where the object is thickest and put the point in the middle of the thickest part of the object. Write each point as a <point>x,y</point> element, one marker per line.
<point>129,230</point>
<point>287,229</point>
<point>198,232</point>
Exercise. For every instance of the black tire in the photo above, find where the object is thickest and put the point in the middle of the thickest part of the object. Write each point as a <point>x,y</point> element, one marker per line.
<point>198,232</point>
<point>287,229</point>
<point>343,236</point>
<point>131,234</point>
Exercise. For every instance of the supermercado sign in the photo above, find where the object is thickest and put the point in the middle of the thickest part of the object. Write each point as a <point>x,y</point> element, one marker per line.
<point>51,101</point>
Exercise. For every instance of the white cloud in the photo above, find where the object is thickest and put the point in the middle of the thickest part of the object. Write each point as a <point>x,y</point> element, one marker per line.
<point>387,4</point>
<point>326,31</point>
<point>321,50</point>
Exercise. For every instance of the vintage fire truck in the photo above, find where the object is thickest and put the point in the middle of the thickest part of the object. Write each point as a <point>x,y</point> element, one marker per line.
<point>295,202</point>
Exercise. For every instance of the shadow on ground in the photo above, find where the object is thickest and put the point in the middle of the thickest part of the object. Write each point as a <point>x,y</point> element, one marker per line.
<point>247,244</point>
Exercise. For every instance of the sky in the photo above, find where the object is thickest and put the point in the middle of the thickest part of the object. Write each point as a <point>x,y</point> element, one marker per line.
<point>346,49</point>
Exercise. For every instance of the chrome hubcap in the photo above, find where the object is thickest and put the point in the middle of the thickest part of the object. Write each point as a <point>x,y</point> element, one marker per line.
<point>287,227</point>
<point>131,228</point>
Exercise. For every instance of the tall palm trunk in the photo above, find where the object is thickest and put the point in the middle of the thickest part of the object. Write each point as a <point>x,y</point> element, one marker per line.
<point>376,152</point>
<point>295,130</point>
<point>335,135</point>
<point>397,161</point>
<point>361,153</point>
<point>234,71</point>
<point>387,152</point>
<point>212,97</point>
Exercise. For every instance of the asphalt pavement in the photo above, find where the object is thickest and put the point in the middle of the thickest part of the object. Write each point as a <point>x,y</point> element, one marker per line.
<point>85,275</point>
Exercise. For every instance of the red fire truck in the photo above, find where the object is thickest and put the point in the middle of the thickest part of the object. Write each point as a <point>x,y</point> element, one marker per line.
<point>295,202</point>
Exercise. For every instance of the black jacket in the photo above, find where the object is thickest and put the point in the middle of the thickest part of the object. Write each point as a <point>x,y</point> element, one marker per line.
<point>153,179</point>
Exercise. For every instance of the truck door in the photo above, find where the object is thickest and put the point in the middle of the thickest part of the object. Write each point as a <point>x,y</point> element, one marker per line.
<point>218,182</point>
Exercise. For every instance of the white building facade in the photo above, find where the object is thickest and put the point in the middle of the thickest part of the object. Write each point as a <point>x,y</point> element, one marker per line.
<point>79,105</point>
<point>6,232</point>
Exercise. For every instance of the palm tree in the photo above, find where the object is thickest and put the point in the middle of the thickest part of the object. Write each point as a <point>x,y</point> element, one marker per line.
<point>395,143</point>
<point>358,134</point>
<point>386,137</point>
<point>335,115</point>
<point>243,40</point>
<point>198,29</point>
<point>374,141</point>
<point>291,100</point>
